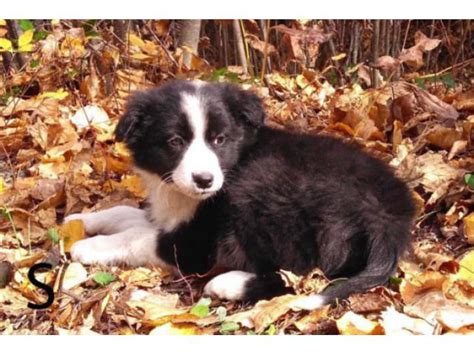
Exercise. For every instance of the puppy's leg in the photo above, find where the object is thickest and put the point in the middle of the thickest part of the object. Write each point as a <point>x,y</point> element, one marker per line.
<point>135,246</point>
<point>111,221</point>
<point>245,286</point>
<point>230,285</point>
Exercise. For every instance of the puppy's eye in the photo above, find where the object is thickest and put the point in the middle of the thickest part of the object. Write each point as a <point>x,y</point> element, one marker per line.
<point>219,140</point>
<point>176,141</point>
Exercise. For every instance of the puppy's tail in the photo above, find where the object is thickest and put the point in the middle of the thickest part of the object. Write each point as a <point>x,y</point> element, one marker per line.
<point>381,263</point>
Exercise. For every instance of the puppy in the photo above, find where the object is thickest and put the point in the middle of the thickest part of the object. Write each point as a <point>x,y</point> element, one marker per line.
<point>225,190</point>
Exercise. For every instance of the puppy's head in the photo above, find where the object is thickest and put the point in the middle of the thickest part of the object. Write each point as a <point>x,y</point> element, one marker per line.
<point>190,133</point>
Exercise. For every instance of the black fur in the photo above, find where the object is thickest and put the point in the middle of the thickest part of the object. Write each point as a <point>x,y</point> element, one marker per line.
<point>289,201</point>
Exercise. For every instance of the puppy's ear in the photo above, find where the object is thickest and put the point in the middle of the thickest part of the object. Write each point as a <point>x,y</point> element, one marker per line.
<point>244,105</point>
<point>134,112</point>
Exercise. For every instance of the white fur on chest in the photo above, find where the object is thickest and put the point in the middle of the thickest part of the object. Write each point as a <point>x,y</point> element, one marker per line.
<point>168,207</point>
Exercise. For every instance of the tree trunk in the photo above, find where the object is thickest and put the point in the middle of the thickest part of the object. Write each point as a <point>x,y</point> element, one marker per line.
<point>355,54</point>
<point>375,52</point>
<point>240,45</point>
<point>188,37</point>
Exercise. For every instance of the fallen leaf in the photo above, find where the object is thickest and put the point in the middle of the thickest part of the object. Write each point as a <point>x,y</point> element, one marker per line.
<point>387,63</point>
<point>267,312</point>
<point>354,324</point>
<point>71,232</point>
<point>74,275</point>
<point>309,322</point>
<point>368,302</point>
<point>443,137</point>
<point>413,285</point>
<point>464,101</point>
<point>458,147</point>
<point>469,228</point>
<point>396,323</point>
<point>175,329</point>
<point>90,115</point>
<point>157,308</point>
<point>434,307</point>
<point>103,278</point>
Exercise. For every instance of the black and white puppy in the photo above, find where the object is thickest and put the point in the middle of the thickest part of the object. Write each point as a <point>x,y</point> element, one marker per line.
<point>224,190</point>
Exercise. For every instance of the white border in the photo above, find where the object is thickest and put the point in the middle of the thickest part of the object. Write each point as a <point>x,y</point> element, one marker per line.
<point>230,345</point>
<point>227,9</point>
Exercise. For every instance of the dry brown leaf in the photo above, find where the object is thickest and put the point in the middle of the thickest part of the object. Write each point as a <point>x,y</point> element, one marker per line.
<point>443,137</point>
<point>387,63</point>
<point>413,56</point>
<point>266,312</point>
<point>155,308</point>
<point>313,282</point>
<point>435,175</point>
<point>309,322</point>
<point>410,100</point>
<point>413,285</point>
<point>367,130</point>
<point>142,277</point>
<point>458,147</point>
<point>464,101</point>
<point>260,45</point>
<point>368,302</point>
<point>434,307</point>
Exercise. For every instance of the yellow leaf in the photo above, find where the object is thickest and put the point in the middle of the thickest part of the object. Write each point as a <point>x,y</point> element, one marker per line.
<point>3,23</point>
<point>469,227</point>
<point>71,232</point>
<point>5,45</point>
<point>2,185</point>
<point>55,22</point>
<point>59,95</point>
<point>466,267</point>
<point>354,324</point>
<point>175,329</point>
<point>25,39</point>
<point>140,56</point>
<point>134,185</point>
<point>339,56</point>
<point>135,40</point>
<point>26,48</point>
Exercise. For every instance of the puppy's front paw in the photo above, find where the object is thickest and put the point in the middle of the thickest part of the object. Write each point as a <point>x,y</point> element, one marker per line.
<point>92,251</point>
<point>229,286</point>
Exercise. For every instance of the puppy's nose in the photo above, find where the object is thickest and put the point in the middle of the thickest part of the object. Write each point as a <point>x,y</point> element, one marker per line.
<point>203,180</point>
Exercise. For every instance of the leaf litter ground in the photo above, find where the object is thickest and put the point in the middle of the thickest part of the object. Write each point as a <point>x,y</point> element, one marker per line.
<point>59,157</point>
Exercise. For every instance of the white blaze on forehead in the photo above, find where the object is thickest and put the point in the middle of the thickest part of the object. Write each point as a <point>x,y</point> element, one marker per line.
<point>195,114</point>
<point>199,157</point>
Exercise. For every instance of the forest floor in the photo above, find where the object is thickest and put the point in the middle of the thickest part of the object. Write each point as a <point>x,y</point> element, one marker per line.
<point>58,157</point>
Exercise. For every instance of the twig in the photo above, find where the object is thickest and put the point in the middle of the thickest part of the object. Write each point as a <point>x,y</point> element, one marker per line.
<point>406,35</point>
<point>72,295</point>
<point>162,45</point>
<point>266,30</point>
<point>462,64</point>
<point>181,274</point>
